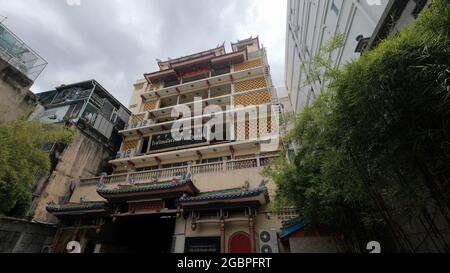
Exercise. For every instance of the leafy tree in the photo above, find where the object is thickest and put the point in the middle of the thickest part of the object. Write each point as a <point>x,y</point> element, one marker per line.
<point>22,160</point>
<point>374,151</point>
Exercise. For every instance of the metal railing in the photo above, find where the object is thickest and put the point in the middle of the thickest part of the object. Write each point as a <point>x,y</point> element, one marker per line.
<point>170,173</point>
<point>18,54</point>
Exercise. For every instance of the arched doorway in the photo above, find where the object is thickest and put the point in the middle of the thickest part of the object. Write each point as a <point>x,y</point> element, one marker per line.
<point>240,243</point>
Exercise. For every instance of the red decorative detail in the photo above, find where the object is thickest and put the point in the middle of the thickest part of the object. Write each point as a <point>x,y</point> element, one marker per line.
<point>156,93</point>
<point>240,243</point>
<point>130,163</point>
<point>150,206</point>
<point>158,159</point>
<point>232,150</point>
<point>199,154</point>
<point>143,98</point>
<point>196,72</point>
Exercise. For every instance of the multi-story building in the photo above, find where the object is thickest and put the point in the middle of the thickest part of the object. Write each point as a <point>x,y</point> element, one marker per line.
<point>97,117</point>
<point>311,23</point>
<point>19,68</point>
<point>183,194</point>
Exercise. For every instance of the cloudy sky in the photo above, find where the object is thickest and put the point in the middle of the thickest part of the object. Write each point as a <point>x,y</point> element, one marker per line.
<point>117,41</point>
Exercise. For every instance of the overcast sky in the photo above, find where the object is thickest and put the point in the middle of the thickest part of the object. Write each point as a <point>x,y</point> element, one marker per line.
<point>117,41</point>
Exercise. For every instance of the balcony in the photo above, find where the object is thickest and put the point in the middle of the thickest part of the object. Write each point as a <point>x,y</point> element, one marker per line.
<point>269,140</point>
<point>184,87</point>
<point>148,125</point>
<point>15,52</point>
<point>171,173</point>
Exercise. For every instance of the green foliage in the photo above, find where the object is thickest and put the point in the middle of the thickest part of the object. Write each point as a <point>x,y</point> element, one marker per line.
<point>375,149</point>
<point>22,160</point>
<point>320,65</point>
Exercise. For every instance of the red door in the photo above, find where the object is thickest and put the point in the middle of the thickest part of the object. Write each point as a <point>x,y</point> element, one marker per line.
<point>240,243</point>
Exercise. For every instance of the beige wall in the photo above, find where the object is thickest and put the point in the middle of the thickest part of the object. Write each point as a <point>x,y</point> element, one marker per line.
<point>263,220</point>
<point>15,96</point>
<point>82,158</point>
<point>136,101</point>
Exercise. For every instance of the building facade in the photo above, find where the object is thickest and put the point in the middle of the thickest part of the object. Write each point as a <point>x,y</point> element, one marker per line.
<point>19,68</point>
<point>97,117</point>
<point>203,193</point>
<point>311,23</point>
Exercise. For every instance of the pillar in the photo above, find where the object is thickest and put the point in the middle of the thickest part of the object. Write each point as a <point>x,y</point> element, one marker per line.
<point>251,227</point>
<point>222,236</point>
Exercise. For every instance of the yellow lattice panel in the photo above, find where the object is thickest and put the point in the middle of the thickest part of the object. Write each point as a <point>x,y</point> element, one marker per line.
<point>137,118</point>
<point>150,105</point>
<point>250,84</point>
<point>253,98</point>
<point>130,144</point>
<point>248,65</point>
<point>155,86</point>
<point>266,126</point>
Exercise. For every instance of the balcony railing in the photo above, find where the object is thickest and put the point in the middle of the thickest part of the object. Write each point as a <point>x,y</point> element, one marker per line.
<point>14,51</point>
<point>169,173</point>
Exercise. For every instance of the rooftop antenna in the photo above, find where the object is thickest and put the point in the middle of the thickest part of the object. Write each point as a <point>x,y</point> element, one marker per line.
<point>3,18</point>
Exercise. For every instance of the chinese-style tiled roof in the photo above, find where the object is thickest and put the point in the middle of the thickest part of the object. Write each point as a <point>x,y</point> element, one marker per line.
<point>293,226</point>
<point>75,207</point>
<point>181,186</point>
<point>228,194</point>
<point>141,187</point>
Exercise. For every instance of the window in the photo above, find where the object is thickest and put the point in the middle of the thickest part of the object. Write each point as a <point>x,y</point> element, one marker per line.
<point>213,160</point>
<point>145,143</point>
<point>334,8</point>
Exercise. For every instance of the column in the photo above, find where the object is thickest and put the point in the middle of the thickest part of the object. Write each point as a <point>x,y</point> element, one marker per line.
<point>251,228</point>
<point>222,236</point>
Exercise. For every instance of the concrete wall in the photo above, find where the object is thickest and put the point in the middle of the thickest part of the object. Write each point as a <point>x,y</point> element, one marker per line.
<point>21,236</point>
<point>319,244</point>
<point>82,158</point>
<point>16,100</point>
<point>310,24</point>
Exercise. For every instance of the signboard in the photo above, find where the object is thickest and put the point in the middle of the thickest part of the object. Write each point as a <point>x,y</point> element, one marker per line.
<point>155,206</point>
<point>202,245</point>
<point>166,140</point>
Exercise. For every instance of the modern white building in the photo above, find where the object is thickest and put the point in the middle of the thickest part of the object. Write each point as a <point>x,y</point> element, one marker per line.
<point>311,23</point>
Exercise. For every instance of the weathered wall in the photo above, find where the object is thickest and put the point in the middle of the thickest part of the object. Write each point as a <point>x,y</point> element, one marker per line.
<point>221,181</point>
<point>82,158</point>
<point>318,244</point>
<point>15,96</point>
<point>263,220</point>
<point>21,236</point>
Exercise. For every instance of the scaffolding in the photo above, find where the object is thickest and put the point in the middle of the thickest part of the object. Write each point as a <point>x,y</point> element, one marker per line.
<point>15,52</point>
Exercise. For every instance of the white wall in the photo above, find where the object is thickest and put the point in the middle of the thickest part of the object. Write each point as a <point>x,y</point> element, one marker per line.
<point>310,24</point>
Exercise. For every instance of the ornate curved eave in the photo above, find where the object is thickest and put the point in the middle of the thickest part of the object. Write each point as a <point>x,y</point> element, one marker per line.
<point>177,188</point>
<point>236,196</point>
<point>77,208</point>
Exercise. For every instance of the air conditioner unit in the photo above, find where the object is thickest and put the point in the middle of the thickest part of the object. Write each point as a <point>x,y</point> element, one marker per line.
<point>144,123</point>
<point>129,153</point>
<point>268,241</point>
